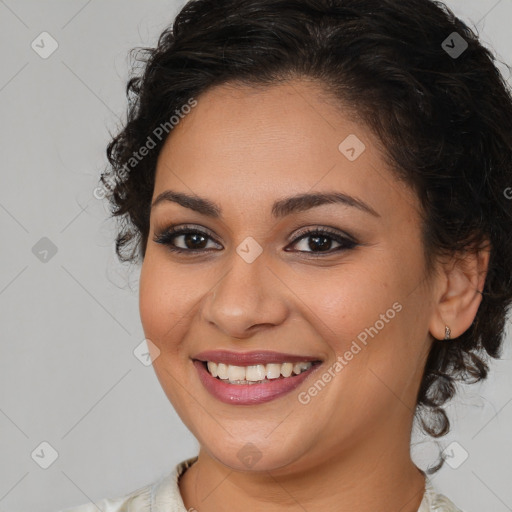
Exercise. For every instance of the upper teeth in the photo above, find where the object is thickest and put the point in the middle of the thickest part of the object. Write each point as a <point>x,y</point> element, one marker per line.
<point>256,372</point>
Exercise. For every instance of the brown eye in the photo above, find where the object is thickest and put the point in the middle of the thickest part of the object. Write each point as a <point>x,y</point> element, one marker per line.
<point>321,239</point>
<point>195,241</point>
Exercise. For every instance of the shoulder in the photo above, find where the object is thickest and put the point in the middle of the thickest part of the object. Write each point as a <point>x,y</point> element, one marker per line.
<point>136,501</point>
<point>434,501</point>
<point>163,495</point>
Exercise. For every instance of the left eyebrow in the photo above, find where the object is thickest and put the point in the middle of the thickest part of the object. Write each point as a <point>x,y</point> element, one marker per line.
<point>281,208</point>
<point>302,202</point>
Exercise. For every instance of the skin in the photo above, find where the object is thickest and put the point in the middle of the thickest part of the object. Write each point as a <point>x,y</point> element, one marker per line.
<point>349,447</point>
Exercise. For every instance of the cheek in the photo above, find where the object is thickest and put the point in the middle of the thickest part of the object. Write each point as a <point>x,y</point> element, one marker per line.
<point>369,317</point>
<point>166,300</point>
<point>346,302</point>
<point>165,307</point>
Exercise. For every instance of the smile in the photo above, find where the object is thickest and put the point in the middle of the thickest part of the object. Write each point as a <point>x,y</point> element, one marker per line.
<point>252,378</point>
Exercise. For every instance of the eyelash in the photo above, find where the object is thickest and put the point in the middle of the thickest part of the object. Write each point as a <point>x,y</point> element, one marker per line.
<point>166,237</point>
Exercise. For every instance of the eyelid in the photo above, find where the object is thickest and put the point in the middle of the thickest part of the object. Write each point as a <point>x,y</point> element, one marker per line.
<point>336,232</point>
<point>184,227</point>
<point>291,238</point>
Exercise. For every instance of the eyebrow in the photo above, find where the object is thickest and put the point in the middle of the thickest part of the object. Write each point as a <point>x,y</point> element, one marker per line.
<point>281,208</point>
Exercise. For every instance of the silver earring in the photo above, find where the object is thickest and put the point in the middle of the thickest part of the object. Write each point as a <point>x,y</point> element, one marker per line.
<point>447,333</point>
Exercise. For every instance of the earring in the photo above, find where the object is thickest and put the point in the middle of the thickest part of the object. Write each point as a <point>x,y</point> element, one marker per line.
<point>447,333</point>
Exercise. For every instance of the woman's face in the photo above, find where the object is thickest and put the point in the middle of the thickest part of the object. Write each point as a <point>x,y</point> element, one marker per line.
<point>355,299</point>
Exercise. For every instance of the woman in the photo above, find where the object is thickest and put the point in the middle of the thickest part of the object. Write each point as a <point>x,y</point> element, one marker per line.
<point>316,190</point>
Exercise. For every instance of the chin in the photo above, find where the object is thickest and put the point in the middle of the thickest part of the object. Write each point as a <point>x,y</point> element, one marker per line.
<point>253,453</point>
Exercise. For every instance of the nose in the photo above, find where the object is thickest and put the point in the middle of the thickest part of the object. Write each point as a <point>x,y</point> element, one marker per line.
<point>248,298</point>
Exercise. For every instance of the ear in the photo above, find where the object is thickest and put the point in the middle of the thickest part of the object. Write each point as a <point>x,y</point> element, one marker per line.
<point>459,293</point>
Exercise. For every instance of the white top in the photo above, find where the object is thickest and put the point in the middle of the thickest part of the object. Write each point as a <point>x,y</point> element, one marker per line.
<point>164,496</point>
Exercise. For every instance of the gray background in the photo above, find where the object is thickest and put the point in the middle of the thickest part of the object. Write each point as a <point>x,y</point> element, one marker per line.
<point>70,320</point>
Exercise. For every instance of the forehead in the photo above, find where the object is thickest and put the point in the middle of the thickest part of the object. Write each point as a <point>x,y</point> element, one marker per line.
<point>287,120</point>
<point>253,145</point>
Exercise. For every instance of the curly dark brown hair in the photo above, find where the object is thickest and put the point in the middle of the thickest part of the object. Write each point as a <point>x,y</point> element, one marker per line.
<point>442,111</point>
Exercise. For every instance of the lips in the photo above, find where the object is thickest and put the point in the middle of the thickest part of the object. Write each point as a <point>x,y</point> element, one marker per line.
<point>251,393</point>
<point>251,358</point>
